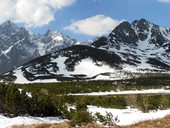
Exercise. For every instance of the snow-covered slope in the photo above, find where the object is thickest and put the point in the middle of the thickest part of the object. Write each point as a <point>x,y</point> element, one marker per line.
<point>18,46</point>
<point>74,63</point>
<point>15,46</point>
<point>52,41</point>
<point>141,45</point>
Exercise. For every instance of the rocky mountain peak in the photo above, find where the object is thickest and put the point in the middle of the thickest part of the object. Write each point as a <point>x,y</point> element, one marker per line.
<point>142,27</point>
<point>124,33</point>
<point>125,25</point>
<point>8,23</point>
<point>56,35</point>
<point>9,27</point>
<point>140,43</point>
<point>140,46</point>
<point>18,46</point>
<point>141,21</point>
<point>50,31</point>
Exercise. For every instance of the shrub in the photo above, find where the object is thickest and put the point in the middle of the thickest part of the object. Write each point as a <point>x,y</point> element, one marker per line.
<point>81,115</point>
<point>108,120</point>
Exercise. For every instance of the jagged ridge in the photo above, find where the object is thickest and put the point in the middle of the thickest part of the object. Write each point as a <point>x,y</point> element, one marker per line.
<point>18,46</point>
<point>139,46</point>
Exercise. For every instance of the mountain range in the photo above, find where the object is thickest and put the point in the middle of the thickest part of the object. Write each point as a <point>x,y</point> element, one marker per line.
<point>140,46</point>
<point>18,46</point>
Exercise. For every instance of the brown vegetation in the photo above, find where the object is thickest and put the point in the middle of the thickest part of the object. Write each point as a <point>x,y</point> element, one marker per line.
<point>61,125</point>
<point>159,123</point>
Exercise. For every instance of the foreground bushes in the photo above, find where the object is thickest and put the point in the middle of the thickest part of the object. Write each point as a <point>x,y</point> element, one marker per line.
<point>52,100</point>
<point>143,102</point>
<point>17,102</point>
<point>44,103</point>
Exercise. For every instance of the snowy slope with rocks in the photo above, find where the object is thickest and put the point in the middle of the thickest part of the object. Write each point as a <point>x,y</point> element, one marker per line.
<point>18,46</point>
<point>74,63</point>
<point>15,47</point>
<point>52,41</point>
<point>139,46</point>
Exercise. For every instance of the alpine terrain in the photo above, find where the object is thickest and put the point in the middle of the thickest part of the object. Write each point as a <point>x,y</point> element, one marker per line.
<point>139,46</point>
<point>18,46</point>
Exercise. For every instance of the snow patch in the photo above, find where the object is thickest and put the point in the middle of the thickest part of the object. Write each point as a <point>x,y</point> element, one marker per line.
<point>149,91</point>
<point>28,120</point>
<point>20,77</point>
<point>58,38</point>
<point>130,115</point>
<point>91,69</point>
<point>22,80</point>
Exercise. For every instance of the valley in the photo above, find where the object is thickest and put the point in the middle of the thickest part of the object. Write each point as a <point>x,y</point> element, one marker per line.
<point>84,64</point>
<point>108,81</point>
<point>61,95</point>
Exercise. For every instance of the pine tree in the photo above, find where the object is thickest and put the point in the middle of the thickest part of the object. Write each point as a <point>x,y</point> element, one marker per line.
<point>12,100</point>
<point>81,115</point>
<point>2,98</point>
<point>25,102</point>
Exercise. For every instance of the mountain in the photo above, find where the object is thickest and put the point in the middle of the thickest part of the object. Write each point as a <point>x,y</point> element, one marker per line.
<point>53,41</point>
<point>18,46</point>
<point>139,47</point>
<point>78,62</point>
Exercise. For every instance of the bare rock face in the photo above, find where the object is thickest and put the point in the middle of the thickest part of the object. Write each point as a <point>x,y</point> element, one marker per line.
<point>141,45</point>
<point>18,46</point>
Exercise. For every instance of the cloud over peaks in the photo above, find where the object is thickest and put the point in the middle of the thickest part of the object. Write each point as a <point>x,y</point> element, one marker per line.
<point>31,12</point>
<point>94,26</point>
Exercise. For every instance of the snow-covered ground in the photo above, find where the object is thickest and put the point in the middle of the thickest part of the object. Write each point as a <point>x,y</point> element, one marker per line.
<point>149,91</point>
<point>125,116</point>
<point>22,80</point>
<point>86,67</point>
<point>9,122</point>
<point>130,116</point>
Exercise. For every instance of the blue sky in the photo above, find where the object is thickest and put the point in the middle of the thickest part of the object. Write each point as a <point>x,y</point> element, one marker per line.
<point>72,17</point>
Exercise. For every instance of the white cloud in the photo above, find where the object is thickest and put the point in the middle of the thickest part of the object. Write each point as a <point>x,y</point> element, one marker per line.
<point>164,1</point>
<point>6,10</point>
<point>31,12</point>
<point>60,3</point>
<point>94,26</point>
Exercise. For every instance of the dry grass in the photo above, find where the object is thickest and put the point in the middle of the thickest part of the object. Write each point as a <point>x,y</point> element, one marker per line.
<point>160,123</point>
<point>61,125</point>
<point>93,125</point>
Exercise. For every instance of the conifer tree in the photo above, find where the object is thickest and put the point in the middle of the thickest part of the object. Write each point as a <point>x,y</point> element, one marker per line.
<point>12,100</point>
